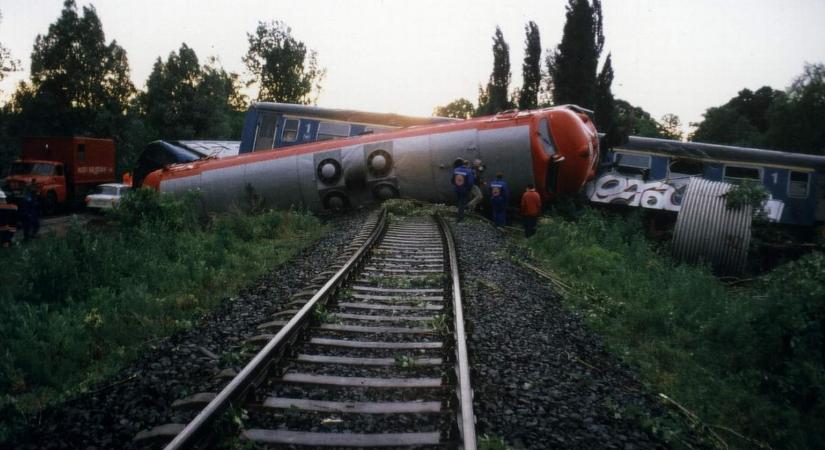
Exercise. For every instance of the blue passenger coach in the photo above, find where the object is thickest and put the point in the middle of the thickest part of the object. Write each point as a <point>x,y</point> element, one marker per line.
<point>653,173</point>
<point>276,125</point>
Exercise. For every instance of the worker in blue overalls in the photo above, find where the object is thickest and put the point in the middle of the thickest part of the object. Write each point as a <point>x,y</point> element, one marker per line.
<point>463,180</point>
<point>499,196</point>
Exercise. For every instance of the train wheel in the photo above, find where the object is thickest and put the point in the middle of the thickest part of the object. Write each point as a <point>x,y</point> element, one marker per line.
<point>384,191</point>
<point>336,201</point>
<point>379,163</point>
<point>329,171</point>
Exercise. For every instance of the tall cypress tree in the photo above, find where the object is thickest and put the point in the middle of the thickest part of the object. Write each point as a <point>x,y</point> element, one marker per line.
<point>495,97</point>
<point>531,68</point>
<point>604,96</point>
<point>573,64</point>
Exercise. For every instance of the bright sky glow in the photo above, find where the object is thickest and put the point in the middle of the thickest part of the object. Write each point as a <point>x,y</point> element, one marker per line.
<point>669,56</point>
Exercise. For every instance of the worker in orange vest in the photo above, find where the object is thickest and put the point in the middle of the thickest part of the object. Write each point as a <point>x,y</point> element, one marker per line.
<point>530,210</point>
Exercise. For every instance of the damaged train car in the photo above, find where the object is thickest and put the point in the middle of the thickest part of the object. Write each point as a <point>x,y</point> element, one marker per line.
<point>556,149</point>
<point>654,173</point>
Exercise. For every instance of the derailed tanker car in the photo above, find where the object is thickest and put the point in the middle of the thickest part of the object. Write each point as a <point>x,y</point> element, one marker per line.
<point>269,125</point>
<point>556,149</point>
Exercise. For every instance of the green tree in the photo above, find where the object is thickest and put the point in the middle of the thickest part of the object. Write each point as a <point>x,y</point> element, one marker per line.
<point>743,120</point>
<point>79,83</point>
<point>530,68</point>
<point>185,100</point>
<point>460,109</point>
<point>281,66</point>
<point>572,66</point>
<point>797,120</point>
<point>495,97</point>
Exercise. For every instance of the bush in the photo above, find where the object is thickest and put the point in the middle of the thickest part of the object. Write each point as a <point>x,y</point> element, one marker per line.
<point>78,306</point>
<point>744,359</point>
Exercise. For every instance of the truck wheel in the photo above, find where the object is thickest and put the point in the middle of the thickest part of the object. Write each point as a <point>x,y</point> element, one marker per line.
<point>50,206</point>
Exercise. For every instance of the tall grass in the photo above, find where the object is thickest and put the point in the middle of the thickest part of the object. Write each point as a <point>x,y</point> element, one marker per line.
<point>748,361</point>
<point>76,307</point>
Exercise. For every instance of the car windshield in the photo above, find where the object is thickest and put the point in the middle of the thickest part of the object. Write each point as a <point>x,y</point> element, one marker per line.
<point>108,190</point>
<point>24,168</point>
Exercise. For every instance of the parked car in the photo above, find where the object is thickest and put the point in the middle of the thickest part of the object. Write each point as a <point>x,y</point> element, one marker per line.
<point>108,195</point>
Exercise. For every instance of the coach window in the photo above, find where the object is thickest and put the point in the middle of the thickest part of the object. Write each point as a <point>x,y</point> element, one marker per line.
<point>332,130</point>
<point>684,166</point>
<point>632,164</point>
<point>290,133</point>
<point>736,174</point>
<point>546,139</point>
<point>798,183</point>
<point>81,152</point>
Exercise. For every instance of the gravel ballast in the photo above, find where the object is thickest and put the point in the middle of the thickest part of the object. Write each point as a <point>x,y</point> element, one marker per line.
<point>541,378</point>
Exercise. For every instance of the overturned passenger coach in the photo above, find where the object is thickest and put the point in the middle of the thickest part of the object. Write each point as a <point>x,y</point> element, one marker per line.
<point>556,149</point>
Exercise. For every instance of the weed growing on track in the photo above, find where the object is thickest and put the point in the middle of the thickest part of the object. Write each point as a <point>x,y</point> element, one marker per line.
<point>487,442</point>
<point>440,325</point>
<point>408,207</point>
<point>405,362</point>
<point>743,365</point>
<point>76,307</point>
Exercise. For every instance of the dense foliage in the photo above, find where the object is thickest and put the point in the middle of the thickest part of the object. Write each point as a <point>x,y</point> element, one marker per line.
<point>748,362</point>
<point>80,85</point>
<point>184,100</point>
<point>78,305</point>
<point>790,120</point>
<point>741,121</point>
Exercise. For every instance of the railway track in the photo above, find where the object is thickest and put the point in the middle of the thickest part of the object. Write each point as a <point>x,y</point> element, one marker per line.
<point>374,356</point>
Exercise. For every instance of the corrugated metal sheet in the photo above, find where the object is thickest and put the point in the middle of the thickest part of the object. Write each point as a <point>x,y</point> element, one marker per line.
<point>707,231</point>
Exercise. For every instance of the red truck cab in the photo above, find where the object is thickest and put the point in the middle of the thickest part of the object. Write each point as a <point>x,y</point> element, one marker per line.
<point>61,170</point>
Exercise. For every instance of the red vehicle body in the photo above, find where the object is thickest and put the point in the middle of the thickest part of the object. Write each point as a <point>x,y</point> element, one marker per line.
<point>63,169</point>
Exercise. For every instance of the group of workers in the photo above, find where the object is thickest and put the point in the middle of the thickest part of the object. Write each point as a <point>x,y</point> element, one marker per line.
<point>26,215</point>
<point>467,182</point>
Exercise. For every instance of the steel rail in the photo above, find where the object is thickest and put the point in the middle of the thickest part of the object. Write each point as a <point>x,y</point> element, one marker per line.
<point>196,429</point>
<point>467,425</point>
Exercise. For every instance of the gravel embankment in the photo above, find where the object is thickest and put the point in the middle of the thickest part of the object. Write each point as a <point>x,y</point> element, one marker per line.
<point>541,378</point>
<point>140,397</point>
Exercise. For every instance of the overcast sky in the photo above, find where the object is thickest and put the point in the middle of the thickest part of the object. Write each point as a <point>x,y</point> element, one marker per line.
<point>669,56</point>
